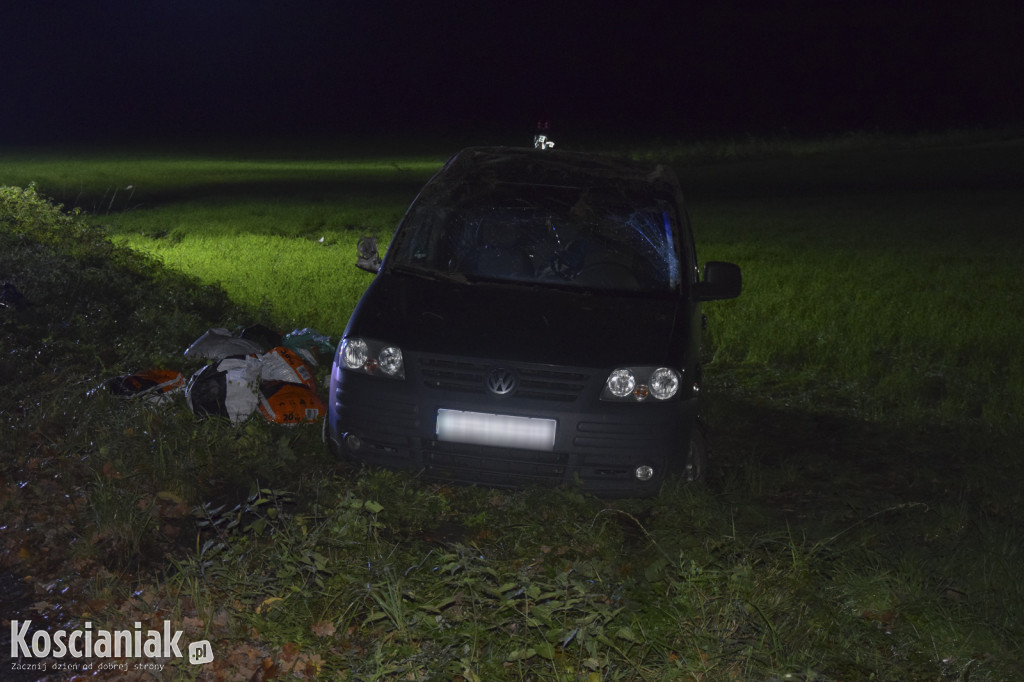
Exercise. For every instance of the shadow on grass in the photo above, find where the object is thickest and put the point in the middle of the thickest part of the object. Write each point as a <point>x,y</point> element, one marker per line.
<point>820,471</point>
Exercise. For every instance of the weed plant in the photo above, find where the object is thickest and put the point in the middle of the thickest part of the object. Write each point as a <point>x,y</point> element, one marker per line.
<point>854,525</point>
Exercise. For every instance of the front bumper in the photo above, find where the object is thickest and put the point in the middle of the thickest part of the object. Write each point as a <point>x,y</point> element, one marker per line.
<point>598,446</point>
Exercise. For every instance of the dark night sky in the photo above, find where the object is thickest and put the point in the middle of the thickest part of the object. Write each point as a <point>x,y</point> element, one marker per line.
<point>109,70</point>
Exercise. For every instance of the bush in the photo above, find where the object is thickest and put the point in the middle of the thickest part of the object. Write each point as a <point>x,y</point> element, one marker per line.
<point>117,307</point>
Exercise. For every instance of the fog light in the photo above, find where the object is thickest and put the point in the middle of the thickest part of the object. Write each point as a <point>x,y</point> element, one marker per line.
<point>352,442</point>
<point>644,473</point>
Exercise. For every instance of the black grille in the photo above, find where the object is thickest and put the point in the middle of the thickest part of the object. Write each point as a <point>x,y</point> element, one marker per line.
<point>613,436</point>
<point>378,414</point>
<point>550,385</point>
<point>471,377</point>
<point>453,375</point>
<point>493,466</point>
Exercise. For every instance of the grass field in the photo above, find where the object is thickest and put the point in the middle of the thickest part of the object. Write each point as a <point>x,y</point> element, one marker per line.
<point>860,517</point>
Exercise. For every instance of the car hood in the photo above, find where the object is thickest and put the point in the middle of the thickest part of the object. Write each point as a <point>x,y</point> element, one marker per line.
<point>522,323</point>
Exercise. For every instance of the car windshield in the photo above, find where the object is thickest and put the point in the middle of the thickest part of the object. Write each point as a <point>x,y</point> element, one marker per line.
<point>606,238</point>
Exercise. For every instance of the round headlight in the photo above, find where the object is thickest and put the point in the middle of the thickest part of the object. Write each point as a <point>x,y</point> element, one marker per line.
<point>390,360</point>
<point>664,383</point>
<point>621,383</point>
<point>355,353</point>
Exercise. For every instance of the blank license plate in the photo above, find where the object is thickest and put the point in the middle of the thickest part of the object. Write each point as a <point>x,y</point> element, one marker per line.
<point>501,430</point>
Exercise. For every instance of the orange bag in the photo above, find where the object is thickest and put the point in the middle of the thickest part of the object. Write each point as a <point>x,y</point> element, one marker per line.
<point>289,403</point>
<point>284,364</point>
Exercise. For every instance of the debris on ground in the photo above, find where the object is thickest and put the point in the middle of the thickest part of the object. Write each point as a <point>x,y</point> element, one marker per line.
<point>286,403</point>
<point>257,370</point>
<point>217,344</point>
<point>155,385</point>
<point>227,388</point>
<point>284,364</point>
<point>367,257</point>
<point>311,344</point>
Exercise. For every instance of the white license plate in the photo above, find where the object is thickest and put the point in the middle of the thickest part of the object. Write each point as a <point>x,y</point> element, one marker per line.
<point>501,430</point>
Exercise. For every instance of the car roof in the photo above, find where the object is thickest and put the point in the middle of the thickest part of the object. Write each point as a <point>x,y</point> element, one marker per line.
<point>527,166</point>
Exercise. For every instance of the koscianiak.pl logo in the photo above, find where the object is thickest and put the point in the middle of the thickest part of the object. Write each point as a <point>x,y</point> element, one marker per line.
<point>87,649</point>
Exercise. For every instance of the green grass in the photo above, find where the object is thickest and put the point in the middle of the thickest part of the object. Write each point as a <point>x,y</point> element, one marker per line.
<point>300,282</point>
<point>859,521</point>
<point>904,302</point>
<point>891,272</point>
<point>275,234</point>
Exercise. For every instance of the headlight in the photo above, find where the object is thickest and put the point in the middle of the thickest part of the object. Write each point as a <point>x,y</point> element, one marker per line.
<point>621,383</point>
<point>355,353</point>
<point>371,357</point>
<point>390,359</point>
<point>636,384</point>
<point>664,383</point>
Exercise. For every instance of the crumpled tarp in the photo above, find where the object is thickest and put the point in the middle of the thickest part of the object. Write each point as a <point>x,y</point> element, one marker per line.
<point>227,388</point>
<point>217,344</point>
<point>278,382</point>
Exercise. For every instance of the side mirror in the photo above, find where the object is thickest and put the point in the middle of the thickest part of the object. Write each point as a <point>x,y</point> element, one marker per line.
<point>367,257</point>
<point>721,280</point>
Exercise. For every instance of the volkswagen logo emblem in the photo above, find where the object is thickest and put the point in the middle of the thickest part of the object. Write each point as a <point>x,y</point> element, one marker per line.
<point>502,381</point>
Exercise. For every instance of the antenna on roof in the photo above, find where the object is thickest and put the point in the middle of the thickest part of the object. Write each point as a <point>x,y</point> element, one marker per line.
<point>540,138</point>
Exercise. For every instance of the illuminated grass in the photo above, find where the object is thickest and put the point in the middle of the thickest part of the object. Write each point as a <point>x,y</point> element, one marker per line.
<point>300,282</point>
<point>275,234</point>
